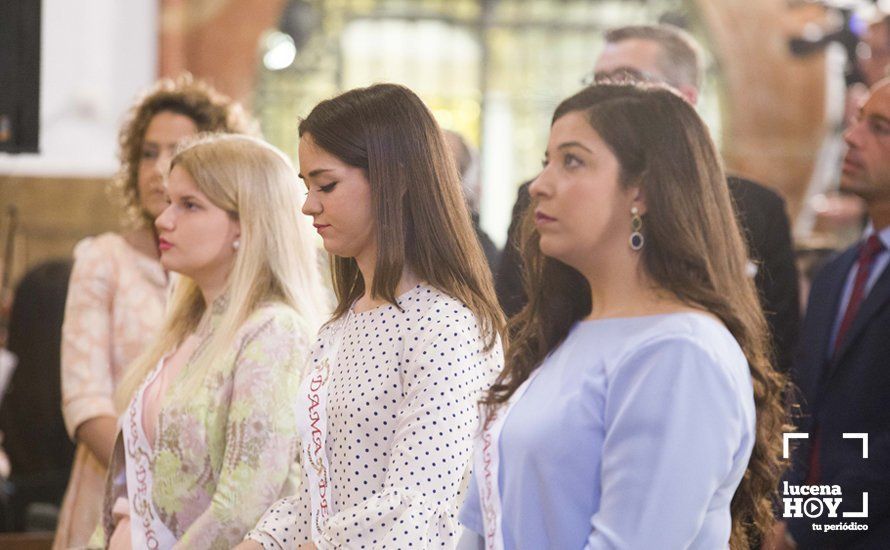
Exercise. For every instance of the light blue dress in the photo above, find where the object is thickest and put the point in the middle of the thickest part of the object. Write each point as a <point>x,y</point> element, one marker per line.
<point>635,434</point>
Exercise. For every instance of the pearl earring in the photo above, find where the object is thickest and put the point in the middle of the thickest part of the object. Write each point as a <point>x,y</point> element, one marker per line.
<point>236,244</point>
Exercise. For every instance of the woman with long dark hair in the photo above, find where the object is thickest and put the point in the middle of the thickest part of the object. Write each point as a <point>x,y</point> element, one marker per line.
<point>638,384</point>
<point>388,406</point>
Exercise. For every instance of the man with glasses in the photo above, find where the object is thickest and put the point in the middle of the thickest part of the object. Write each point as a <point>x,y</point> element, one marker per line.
<point>668,55</point>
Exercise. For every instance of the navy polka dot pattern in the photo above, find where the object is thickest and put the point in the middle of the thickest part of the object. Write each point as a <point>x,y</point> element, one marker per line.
<point>402,412</point>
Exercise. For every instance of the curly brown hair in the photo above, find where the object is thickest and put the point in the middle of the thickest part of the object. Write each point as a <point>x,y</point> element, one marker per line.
<point>694,250</point>
<point>186,95</point>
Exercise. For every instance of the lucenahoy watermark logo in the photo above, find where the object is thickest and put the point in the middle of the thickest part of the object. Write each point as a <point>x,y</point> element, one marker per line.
<point>821,501</point>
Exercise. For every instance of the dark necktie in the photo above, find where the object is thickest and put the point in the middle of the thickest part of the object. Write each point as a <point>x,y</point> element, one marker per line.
<point>867,254</point>
<point>872,247</point>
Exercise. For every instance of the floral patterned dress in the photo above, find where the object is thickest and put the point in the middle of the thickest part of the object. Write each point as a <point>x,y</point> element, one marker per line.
<point>224,450</point>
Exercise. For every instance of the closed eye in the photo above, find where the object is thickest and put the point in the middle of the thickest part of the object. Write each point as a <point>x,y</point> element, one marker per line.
<point>328,188</point>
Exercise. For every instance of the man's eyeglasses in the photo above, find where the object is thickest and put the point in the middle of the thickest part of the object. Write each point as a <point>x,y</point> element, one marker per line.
<point>621,75</point>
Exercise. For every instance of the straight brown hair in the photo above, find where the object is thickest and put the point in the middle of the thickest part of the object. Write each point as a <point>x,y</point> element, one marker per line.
<point>694,250</point>
<point>421,219</point>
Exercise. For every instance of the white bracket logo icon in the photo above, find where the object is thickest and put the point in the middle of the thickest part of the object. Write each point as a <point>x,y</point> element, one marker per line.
<point>786,437</point>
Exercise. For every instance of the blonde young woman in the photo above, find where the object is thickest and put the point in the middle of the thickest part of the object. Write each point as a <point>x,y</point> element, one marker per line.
<point>387,409</point>
<point>118,287</point>
<point>207,437</point>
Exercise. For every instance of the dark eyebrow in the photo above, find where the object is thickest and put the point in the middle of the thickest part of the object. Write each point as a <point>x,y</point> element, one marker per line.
<point>568,144</point>
<point>879,118</point>
<point>315,172</point>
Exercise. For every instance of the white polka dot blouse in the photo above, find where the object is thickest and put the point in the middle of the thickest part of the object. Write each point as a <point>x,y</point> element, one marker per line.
<point>401,415</point>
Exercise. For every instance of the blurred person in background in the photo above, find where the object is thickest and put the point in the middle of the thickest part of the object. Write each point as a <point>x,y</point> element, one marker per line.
<point>467,160</point>
<point>835,218</point>
<point>34,436</point>
<point>872,58</point>
<point>118,287</point>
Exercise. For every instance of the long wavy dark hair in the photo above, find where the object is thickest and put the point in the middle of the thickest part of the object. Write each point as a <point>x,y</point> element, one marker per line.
<point>694,250</point>
<point>421,218</point>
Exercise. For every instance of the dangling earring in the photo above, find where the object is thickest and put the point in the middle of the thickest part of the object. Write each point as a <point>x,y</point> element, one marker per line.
<point>236,243</point>
<point>636,224</point>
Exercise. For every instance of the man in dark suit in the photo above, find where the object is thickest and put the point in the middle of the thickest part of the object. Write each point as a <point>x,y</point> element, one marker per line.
<point>666,54</point>
<point>465,157</point>
<point>842,369</point>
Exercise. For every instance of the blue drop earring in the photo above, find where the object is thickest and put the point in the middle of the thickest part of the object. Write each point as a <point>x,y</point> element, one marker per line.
<point>636,224</point>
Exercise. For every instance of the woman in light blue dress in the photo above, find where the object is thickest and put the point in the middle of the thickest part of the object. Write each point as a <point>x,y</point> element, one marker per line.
<point>638,407</point>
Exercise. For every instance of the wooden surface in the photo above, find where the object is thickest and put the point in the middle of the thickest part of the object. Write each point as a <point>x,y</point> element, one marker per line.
<point>773,103</point>
<point>26,541</point>
<point>54,213</point>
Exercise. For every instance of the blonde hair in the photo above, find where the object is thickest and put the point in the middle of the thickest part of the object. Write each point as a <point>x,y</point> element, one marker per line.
<point>276,261</point>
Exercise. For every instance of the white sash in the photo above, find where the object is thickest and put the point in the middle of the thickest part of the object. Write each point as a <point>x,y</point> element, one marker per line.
<point>486,463</point>
<point>146,529</point>
<point>486,458</point>
<point>312,424</point>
